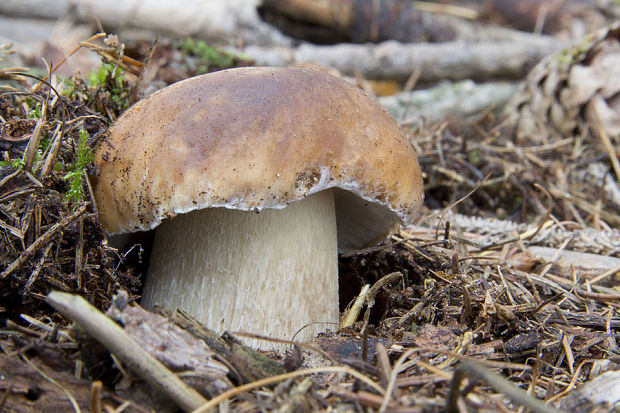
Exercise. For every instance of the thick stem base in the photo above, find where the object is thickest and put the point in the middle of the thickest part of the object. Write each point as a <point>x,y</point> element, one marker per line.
<point>269,273</point>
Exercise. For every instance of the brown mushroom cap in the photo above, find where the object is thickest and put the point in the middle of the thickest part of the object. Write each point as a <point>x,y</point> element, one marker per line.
<point>256,138</point>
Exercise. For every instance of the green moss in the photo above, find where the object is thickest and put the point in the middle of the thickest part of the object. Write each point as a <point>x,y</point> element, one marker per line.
<point>75,173</point>
<point>210,57</point>
<point>13,163</point>
<point>110,78</point>
<point>35,112</point>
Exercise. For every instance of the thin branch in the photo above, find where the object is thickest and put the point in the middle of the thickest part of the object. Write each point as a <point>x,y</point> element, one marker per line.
<point>114,338</point>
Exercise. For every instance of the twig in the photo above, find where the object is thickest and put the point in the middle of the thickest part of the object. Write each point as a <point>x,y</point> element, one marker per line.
<point>24,256</point>
<point>33,143</point>
<point>467,195</point>
<point>292,343</point>
<point>609,147</point>
<point>604,275</point>
<point>74,403</point>
<point>45,327</point>
<point>350,315</point>
<point>446,9</point>
<point>95,396</point>
<point>463,59</point>
<point>383,363</point>
<point>608,216</point>
<point>114,338</point>
<point>367,296</point>
<point>437,371</point>
<point>572,383</point>
<point>79,253</point>
<point>394,374</point>
<point>568,352</point>
<point>52,153</point>
<point>37,269</point>
<point>5,395</point>
<point>503,279</point>
<point>65,57</point>
<point>547,212</point>
<point>281,377</point>
<point>9,177</point>
<point>500,384</point>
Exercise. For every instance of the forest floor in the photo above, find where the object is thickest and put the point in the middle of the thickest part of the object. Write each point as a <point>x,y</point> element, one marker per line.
<point>501,296</point>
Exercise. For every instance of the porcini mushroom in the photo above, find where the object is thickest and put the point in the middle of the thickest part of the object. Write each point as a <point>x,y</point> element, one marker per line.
<point>254,178</point>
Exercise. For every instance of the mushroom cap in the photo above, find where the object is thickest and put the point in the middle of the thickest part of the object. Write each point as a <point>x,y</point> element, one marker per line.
<point>255,138</point>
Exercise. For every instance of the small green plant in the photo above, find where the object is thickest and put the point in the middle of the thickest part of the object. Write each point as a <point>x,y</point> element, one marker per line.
<point>98,78</point>
<point>110,78</point>
<point>69,87</point>
<point>35,113</point>
<point>474,157</point>
<point>84,155</point>
<point>13,163</point>
<point>19,163</point>
<point>209,56</point>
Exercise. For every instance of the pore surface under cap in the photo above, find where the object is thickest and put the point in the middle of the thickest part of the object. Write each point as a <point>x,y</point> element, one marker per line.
<point>249,139</point>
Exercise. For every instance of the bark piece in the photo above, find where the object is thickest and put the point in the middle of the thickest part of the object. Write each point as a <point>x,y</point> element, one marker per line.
<point>522,342</point>
<point>125,348</point>
<point>599,394</point>
<point>362,21</point>
<point>29,391</point>
<point>247,364</point>
<point>175,348</point>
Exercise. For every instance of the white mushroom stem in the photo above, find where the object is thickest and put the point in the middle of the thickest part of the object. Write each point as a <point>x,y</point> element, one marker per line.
<point>269,273</point>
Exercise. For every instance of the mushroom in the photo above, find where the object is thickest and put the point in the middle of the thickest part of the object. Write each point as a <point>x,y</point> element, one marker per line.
<point>255,178</point>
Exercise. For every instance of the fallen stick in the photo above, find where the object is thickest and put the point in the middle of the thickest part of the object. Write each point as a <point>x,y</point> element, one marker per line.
<point>215,20</point>
<point>464,98</point>
<point>456,60</point>
<point>112,336</point>
<point>588,266</point>
<point>472,370</point>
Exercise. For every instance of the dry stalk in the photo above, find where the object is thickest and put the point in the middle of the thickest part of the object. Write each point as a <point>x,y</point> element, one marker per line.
<point>500,384</point>
<point>39,242</point>
<point>276,379</point>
